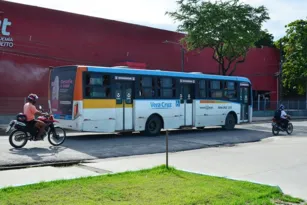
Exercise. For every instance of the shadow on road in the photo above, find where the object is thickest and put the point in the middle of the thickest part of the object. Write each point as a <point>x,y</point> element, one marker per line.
<point>38,154</point>
<point>115,145</point>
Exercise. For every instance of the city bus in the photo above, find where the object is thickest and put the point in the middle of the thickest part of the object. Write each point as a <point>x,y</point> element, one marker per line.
<point>122,99</point>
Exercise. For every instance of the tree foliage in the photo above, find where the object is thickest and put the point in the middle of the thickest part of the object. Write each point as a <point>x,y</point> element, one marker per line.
<point>266,39</point>
<point>294,46</point>
<point>230,28</point>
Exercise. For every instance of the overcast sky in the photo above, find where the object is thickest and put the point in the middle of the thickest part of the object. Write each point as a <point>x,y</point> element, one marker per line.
<point>152,12</point>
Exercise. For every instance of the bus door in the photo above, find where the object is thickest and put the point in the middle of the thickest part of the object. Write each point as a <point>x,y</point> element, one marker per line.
<point>187,88</point>
<point>244,101</point>
<point>124,106</point>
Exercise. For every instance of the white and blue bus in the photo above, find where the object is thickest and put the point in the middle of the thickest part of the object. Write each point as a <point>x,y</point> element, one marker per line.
<point>119,99</point>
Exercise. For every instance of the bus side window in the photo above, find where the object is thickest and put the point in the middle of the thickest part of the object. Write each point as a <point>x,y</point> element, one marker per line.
<point>230,90</point>
<point>97,86</point>
<point>216,89</point>
<point>146,87</point>
<point>166,88</point>
<point>202,89</point>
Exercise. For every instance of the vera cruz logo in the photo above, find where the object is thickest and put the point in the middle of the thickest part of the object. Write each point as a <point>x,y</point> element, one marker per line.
<point>5,39</point>
<point>160,105</point>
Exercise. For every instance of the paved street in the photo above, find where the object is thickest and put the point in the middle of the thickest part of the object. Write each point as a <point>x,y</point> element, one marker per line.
<point>278,161</point>
<point>86,147</point>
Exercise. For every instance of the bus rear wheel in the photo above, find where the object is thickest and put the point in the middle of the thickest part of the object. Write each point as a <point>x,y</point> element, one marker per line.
<point>230,122</point>
<point>153,126</point>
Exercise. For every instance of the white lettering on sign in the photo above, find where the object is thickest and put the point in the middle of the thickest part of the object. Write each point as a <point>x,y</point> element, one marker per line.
<point>124,78</point>
<point>5,39</point>
<point>186,81</point>
<point>244,84</point>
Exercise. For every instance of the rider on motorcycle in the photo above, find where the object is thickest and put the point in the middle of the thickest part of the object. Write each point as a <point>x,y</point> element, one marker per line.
<point>283,116</point>
<point>30,111</point>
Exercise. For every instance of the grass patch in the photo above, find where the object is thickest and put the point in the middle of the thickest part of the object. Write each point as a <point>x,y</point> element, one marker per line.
<point>153,186</point>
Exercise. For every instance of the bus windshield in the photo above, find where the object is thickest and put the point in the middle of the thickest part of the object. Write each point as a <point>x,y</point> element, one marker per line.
<point>62,82</point>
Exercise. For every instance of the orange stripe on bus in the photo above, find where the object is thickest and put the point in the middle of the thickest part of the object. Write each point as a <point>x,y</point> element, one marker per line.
<point>78,92</point>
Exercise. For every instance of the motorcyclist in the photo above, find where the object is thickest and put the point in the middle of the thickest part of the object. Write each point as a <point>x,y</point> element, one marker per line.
<point>284,116</point>
<point>30,111</point>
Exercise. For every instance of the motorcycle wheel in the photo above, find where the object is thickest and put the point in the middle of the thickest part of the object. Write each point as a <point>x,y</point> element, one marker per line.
<point>275,130</point>
<point>55,134</point>
<point>290,129</point>
<point>13,136</point>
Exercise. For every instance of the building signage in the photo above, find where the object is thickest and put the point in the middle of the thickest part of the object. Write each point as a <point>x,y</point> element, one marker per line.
<point>5,36</point>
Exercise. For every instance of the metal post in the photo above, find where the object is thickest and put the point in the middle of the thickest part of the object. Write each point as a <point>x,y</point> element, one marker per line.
<point>280,72</point>
<point>258,102</point>
<point>182,59</point>
<point>166,138</point>
<point>306,96</point>
<point>264,104</point>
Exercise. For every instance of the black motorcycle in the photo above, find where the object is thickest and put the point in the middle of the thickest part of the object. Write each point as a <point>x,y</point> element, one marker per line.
<point>23,131</point>
<point>278,126</point>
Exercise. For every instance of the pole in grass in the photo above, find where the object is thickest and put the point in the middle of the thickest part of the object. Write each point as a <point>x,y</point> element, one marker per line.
<point>166,151</point>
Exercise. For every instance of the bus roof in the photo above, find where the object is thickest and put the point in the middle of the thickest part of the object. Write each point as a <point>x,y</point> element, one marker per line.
<point>121,70</point>
<point>131,71</point>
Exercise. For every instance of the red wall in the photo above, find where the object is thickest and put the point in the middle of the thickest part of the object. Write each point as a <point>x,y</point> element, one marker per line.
<point>44,37</point>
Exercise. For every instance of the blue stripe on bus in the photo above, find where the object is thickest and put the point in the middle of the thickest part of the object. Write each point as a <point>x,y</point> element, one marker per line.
<point>166,73</point>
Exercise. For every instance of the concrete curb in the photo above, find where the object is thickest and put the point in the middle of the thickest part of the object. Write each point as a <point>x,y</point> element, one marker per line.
<point>42,164</point>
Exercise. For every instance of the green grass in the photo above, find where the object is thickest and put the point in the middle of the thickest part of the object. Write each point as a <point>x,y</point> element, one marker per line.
<point>154,186</point>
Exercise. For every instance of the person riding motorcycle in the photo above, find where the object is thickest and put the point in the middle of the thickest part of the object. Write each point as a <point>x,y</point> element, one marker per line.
<point>30,111</point>
<point>283,116</point>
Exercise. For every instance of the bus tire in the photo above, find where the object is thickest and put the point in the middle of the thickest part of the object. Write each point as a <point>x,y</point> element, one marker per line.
<point>230,122</point>
<point>153,126</point>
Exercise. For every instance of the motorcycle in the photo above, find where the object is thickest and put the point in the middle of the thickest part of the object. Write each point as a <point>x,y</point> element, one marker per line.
<point>278,126</point>
<point>22,132</point>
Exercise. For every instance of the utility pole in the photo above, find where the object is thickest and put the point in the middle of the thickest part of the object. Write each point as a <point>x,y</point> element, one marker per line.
<point>182,52</point>
<point>280,72</point>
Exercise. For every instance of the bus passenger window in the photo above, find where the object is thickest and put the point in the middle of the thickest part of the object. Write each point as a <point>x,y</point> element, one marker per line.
<point>146,87</point>
<point>230,90</point>
<point>166,88</point>
<point>97,85</point>
<point>202,88</point>
<point>216,89</point>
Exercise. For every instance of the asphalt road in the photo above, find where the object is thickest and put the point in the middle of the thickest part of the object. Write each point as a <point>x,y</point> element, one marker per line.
<point>88,146</point>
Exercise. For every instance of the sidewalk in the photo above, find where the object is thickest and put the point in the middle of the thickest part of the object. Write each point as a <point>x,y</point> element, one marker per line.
<point>242,162</point>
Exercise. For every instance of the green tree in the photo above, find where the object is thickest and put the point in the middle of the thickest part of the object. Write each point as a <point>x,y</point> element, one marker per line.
<point>266,39</point>
<point>230,28</point>
<point>294,46</point>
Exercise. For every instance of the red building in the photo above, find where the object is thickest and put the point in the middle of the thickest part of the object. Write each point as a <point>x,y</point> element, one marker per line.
<point>33,38</point>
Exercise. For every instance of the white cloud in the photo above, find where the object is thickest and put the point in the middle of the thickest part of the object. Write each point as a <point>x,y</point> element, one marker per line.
<point>281,12</point>
<point>152,12</point>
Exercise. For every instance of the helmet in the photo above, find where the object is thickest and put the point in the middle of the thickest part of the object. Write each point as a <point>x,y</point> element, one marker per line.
<point>281,107</point>
<point>21,117</point>
<point>32,98</point>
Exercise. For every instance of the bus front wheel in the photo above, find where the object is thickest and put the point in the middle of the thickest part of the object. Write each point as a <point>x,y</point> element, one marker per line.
<point>153,126</point>
<point>230,122</point>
